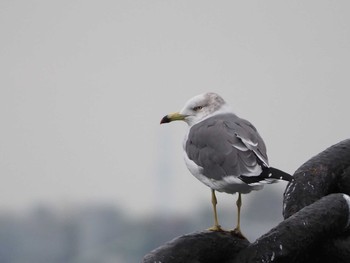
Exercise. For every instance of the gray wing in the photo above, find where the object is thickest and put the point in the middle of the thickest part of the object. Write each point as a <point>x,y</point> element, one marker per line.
<point>226,145</point>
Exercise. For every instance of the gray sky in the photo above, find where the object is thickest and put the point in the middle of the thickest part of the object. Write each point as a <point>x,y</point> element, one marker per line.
<point>84,85</point>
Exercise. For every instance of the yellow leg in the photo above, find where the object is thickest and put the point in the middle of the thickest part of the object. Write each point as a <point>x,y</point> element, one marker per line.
<point>214,201</point>
<point>239,204</point>
<point>237,230</point>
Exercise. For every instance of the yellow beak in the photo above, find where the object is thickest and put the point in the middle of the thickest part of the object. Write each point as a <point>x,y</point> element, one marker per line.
<point>172,117</point>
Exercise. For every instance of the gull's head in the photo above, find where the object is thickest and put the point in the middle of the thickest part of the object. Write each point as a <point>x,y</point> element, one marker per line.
<point>198,108</point>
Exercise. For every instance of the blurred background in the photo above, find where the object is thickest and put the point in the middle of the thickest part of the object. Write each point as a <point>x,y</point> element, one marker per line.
<point>89,175</point>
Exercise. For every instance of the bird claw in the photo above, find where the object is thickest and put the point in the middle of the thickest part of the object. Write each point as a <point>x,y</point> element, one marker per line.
<point>216,228</point>
<point>237,232</point>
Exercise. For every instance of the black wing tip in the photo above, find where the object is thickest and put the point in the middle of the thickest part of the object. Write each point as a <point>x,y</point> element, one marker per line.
<point>269,175</point>
<point>280,175</point>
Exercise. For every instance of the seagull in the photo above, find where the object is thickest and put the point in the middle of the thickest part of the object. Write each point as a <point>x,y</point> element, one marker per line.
<point>223,151</point>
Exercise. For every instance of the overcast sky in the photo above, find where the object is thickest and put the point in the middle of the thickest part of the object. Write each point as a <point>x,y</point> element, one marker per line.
<point>84,85</point>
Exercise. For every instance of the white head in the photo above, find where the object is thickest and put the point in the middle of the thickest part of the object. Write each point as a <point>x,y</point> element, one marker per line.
<point>198,108</point>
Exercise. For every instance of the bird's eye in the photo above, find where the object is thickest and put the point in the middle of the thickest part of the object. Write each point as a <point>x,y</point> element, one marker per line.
<point>197,108</point>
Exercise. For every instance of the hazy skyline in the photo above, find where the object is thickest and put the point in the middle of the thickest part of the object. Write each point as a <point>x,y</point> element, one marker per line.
<point>84,85</point>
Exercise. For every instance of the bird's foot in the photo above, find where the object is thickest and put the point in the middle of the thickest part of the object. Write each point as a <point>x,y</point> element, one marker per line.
<point>237,232</point>
<point>215,228</point>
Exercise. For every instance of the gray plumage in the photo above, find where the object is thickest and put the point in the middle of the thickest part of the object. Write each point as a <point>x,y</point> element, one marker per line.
<point>225,145</point>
